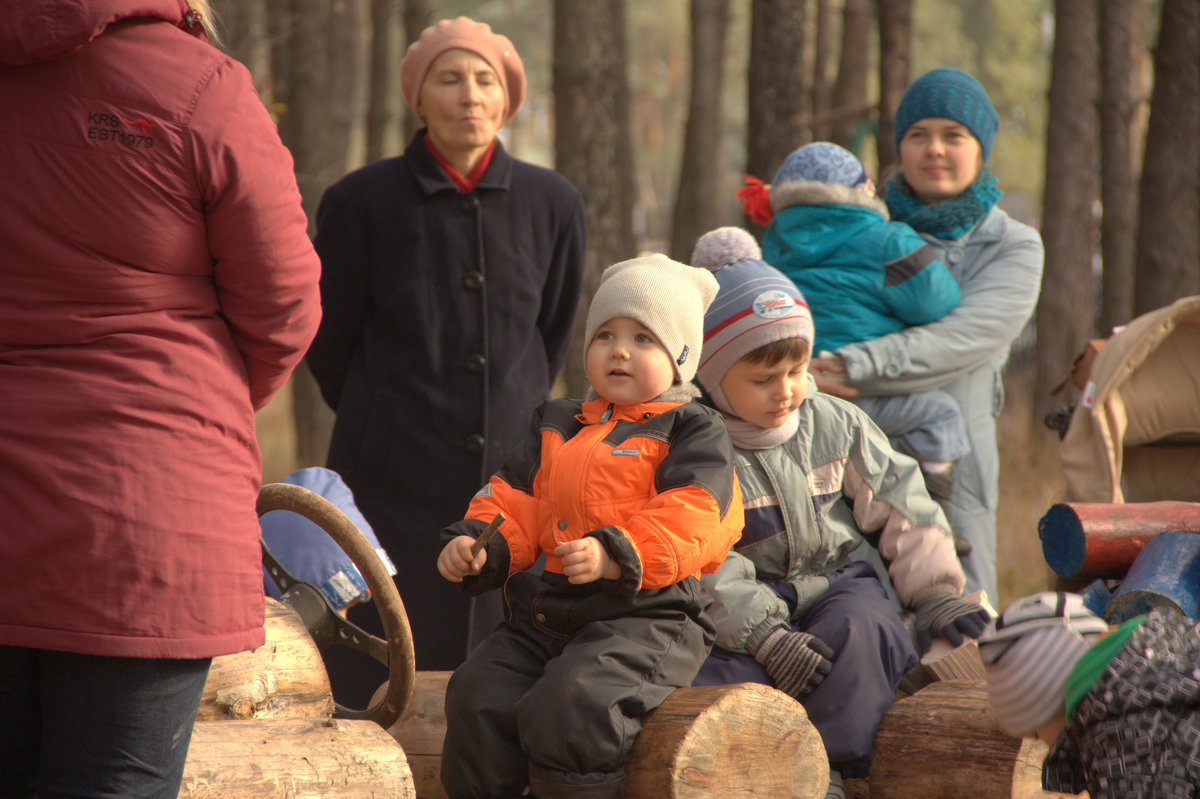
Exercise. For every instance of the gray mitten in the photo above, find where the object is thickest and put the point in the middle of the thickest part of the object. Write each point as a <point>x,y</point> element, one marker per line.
<point>796,662</point>
<point>950,616</point>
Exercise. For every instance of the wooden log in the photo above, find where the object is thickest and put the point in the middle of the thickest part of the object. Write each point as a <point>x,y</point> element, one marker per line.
<point>1166,573</point>
<point>944,743</point>
<point>727,741</point>
<point>723,741</point>
<point>295,758</point>
<point>283,678</point>
<point>421,729</point>
<point>1087,540</point>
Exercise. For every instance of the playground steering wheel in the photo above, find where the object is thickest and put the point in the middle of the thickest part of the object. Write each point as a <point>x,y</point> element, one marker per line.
<point>326,626</point>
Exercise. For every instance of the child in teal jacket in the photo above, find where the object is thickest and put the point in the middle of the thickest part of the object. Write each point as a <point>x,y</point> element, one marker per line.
<point>864,276</point>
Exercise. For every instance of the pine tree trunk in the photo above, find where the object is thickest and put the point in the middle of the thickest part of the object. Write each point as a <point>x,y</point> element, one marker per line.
<point>698,201</point>
<point>895,67</point>
<point>825,46</point>
<point>1065,315</point>
<point>776,121</point>
<point>384,102</point>
<point>850,90</point>
<point>417,17</point>
<point>1168,258</point>
<point>1119,163</point>
<point>592,145</point>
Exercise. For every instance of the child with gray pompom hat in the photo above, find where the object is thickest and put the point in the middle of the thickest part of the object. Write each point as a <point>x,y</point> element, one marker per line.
<point>793,608</point>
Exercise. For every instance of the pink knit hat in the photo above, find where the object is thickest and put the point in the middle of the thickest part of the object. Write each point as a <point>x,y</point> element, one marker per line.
<point>464,34</point>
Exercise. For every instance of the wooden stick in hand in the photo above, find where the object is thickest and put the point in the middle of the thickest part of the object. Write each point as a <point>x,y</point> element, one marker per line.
<point>487,533</point>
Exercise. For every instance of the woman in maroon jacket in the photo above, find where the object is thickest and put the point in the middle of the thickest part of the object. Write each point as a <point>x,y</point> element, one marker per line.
<point>450,281</point>
<point>158,289</point>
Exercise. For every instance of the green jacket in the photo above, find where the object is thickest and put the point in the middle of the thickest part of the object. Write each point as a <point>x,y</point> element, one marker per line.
<point>809,502</point>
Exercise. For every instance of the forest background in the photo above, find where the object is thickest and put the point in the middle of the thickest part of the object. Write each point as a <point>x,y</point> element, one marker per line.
<point>662,107</point>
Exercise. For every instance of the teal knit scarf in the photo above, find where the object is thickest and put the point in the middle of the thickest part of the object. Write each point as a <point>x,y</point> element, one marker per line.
<point>946,220</point>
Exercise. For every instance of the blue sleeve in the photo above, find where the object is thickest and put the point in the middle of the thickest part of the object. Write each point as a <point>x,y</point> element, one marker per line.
<point>918,288</point>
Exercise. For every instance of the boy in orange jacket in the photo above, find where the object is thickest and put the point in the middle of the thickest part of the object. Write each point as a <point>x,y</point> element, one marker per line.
<point>630,495</point>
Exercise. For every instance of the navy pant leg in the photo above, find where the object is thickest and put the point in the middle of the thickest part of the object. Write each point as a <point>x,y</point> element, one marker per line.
<point>873,650</point>
<point>482,755</point>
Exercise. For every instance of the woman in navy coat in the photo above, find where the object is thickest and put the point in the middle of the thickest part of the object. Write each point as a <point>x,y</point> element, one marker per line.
<point>451,277</point>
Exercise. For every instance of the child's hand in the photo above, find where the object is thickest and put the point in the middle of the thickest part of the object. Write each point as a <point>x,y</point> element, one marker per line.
<point>586,560</point>
<point>829,372</point>
<point>455,561</point>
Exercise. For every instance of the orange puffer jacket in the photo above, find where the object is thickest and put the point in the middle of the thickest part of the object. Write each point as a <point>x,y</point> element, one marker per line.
<point>654,482</point>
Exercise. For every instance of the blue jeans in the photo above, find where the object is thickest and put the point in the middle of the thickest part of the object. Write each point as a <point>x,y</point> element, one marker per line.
<point>78,726</point>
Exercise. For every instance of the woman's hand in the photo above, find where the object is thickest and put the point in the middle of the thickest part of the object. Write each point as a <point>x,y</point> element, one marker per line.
<point>586,560</point>
<point>829,371</point>
<point>455,561</point>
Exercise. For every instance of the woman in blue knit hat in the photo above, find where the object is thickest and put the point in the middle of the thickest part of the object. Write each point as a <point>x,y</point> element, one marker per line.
<point>944,129</point>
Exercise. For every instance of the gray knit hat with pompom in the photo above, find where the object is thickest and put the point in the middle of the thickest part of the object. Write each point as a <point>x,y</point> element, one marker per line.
<point>756,305</point>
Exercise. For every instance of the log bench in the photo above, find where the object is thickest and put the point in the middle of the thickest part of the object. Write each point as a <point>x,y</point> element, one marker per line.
<point>265,729</point>
<point>944,743</point>
<point>719,742</point>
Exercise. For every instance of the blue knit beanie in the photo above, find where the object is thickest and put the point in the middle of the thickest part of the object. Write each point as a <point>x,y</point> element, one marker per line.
<point>824,162</point>
<point>948,93</point>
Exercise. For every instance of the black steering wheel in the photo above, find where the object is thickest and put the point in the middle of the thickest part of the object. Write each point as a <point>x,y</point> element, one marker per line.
<point>326,626</point>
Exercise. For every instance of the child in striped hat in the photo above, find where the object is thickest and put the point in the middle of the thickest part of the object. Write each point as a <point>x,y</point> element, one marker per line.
<point>1119,706</point>
<point>818,477</point>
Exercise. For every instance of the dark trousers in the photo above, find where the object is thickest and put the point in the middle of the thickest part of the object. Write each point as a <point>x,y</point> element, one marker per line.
<point>554,698</point>
<point>78,726</point>
<point>872,651</point>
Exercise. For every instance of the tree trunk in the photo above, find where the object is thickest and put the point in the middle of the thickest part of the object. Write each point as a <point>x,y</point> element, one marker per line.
<point>850,90</point>
<point>1168,257</point>
<point>776,120</point>
<point>1065,315</point>
<point>316,67</point>
<point>895,66</point>
<point>384,104</point>
<point>1119,163</point>
<point>825,45</point>
<point>592,146</point>
<point>698,201</point>
<point>417,17</point>
<point>243,25</point>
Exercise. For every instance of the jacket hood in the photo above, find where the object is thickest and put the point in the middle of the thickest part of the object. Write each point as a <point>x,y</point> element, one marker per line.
<point>31,32</point>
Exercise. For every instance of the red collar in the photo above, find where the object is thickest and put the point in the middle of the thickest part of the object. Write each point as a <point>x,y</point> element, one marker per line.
<point>468,183</point>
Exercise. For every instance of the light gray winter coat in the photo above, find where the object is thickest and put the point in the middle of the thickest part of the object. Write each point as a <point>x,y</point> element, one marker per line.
<point>808,503</point>
<point>998,266</point>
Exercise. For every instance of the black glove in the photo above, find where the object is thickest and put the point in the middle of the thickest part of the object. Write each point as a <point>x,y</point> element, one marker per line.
<point>950,616</point>
<point>797,662</point>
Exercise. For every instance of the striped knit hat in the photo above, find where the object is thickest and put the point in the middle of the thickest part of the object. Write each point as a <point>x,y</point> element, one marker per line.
<point>756,304</point>
<point>1028,653</point>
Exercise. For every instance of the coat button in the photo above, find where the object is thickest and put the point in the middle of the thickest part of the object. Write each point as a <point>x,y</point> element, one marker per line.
<point>540,618</point>
<point>562,524</point>
<point>473,281</point>
<point>469,203</point>
<point>476,362</point>
<point>475,443</point>
<point>954,255</point>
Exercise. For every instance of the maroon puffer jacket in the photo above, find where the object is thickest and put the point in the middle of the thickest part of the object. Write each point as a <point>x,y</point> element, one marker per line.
<point>156,287</point>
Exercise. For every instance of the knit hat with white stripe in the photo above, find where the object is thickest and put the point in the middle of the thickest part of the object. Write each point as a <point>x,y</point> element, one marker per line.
<point>666,296</point>
<point>1028,653</point>
<point>756,305</point>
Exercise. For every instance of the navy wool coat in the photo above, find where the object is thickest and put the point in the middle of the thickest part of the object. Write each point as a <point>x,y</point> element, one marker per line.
<point>447,316</point>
